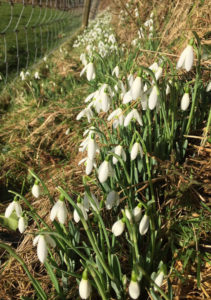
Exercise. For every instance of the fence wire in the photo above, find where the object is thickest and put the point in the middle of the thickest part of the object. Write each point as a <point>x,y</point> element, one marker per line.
<point>31,28</point>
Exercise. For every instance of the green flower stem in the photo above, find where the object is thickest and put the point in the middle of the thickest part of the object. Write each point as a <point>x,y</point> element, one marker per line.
<point>100,288</point>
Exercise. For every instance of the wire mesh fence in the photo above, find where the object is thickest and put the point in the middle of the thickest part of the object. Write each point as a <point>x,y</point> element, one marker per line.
<point>29,29</point>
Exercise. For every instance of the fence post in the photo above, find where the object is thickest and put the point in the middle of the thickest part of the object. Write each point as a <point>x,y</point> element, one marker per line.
<point>86,12</point>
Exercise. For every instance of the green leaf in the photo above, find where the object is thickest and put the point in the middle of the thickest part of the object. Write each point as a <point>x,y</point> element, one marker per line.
<point>53,277</point>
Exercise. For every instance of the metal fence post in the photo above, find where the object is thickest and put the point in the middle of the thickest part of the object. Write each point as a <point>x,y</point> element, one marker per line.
<point>86,12</point>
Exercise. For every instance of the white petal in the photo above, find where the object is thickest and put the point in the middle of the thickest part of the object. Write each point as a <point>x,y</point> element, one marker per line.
<point>62,213</point>
<point>21,224</point>
<point>189,58</point>
<point>185,101</point>
<point>128,118</point>
<point>9,209</point>
<point>35,240</point>
<point>50,241</point>
<point>137,213</point>
<point>134,289</point>
<point>112,199</point>
<point>144,225</point>
<point>53,212</point>
<point>76,216</point>
<point>137,117</point>
<point>159,280</point>
<point>136,88</point>
<point>91,149</point>
<point>42,249</point>
<point>127,97</point>
<point>103,171</point>
<point>84,289</point>
<point>153,98</point>
<point>181,60</point>
<point>36,190</point>
<point>118,227</point>
<point>18,209</point>
<point>134,151</point>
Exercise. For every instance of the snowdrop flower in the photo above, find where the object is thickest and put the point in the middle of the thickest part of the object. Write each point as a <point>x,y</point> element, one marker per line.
<point>22,224</point>
<point>158,73</point>
<point>45,58</point>
<point>127,97</point>
<point>136,149</point>
<point>159,280</point>
<point>137,213</point>
<point>118,227</point>
<point>91,148</point>
<point>89,164</point>
<point>116,71</point>
<point>22,75</point>
<point>133,115</point>
<point>134,288</point>
<point>76,216</point>
<point>59,210</point>
<point>153,98</point>
<point>36,75</point>
<point>84,286</point>
<point>13,206</point>
<point>67,131</point>
<point>85,112</point>
<point>83,59</point>
<point>105,170</point>
<point>42,241</point>
<point>90,71</point>
<point>106,101</point>
<point>94,203</point>
<point>144,102</point>
<point>112,199</point>
<point>208,88</point>
<point>128,214</point>
<point>136,88</point>
<point>186,59</point>
<point>36,189</point>
<point>185,101</point>
<point>119,151</point>
<point>117,117</point>
<point>144,225</point>
<point>130,80</point>
<point>168,89</point>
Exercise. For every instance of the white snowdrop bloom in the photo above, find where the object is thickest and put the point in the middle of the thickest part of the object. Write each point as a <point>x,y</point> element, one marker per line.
<point>159,280</point>
<point>106,101</point>
<point>154,67</point>
<point>158,73</point>
<point>151,28</point>
<point>136,88</point>
<point>89,164</point>
<point>144,102</point>
<point>76,216</point>
<point>185,101</point>
<point>45,58</point>
<point>67,131</point>
<point>36,75</point>
<point>91,148</point>
<point>112,199</point>
<point>117,117</point>
<point>118,227</point>
<point>22,75</point>
<point>141,33</point>
<point>134,289</point>
<point>22,224</point>
<point>130,79</point>
<point>90,96</point>
<point>153,98</point>
<point>116,71</point>
<point>127,97</point>
<point>83,59</point>
<point>59,210</point>
<point>128,214</point>
<point>119,151</point>
<point>105,170</point>
<point>42,241</point>
<point>168,88</point>
<point>144,225</point>
<point>85,286</point>
<point>90,71</point>
<point>94,203</point>
<point>148,23</point>
<point>134,42</point>
<point>136,149</point>
<point>152,15</point>
<point>186,59</point>
<point>208,88</point>
<point>133,115</point>
<point>87,112</point>
<point>137,213</point>
<point>13,206</point>
<point>36,191</point>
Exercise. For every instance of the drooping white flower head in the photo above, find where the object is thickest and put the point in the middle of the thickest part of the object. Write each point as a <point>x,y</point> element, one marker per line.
<point>89,164</point>
<point>128,214</point>
<point>116,71</point>
<point>153,98</point>
<point>42,241</point>
<point>136,149</point>
<point>22,224</point>
<point>127,97</point>
<point>137,213</point>
<point>87,112</point>
<point>118,227</point>
<point>36,75</point>
<point>130,80</point>
<point>105,170</point>
<point>208,88</point>
<point>106,102</point>
<point>36,191</point>
<point>91,148</point>
<point>133,115</point>
<point>13,206</point>
<point>59,211</point>
<point>136,88</point>
<point>84,286</point>
<point>186,59</point>
<point>144,225</point>
<point>119,151</point>
<point>159,280</point>
<point>117,117</point>
<point>76,216</point>
<point>90,71</point>
<point>112,199</point>
<point>185,101</point>
<point>134,288</point>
